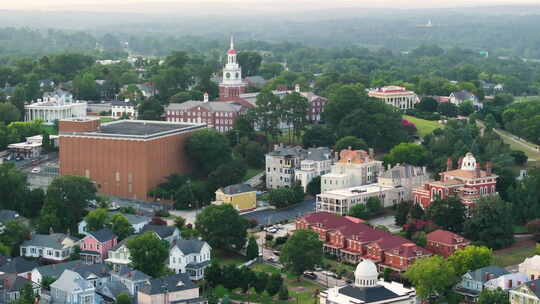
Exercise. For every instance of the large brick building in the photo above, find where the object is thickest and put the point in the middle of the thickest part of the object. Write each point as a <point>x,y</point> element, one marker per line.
<point>445,243</point>
<point>468,182</point>
<point>352,241</point>
<point>125,158</point>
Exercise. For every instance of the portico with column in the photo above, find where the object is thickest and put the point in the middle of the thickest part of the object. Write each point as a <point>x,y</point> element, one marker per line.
<point>51,111</point>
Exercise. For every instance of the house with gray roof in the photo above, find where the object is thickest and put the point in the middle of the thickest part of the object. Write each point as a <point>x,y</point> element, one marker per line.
<point>526,293</point>
<point>472,283</point>
<point>53,270</point>
<point>10,215</point>
<point>167,233</point>
<point>281,165</point>
<point>137,222</point>
<point>72,288</point>
<point>119,255</point>
<point>317,162</point>
<point>191,257</point>
<point>176,288</point>
<point>11,286</point>
<point>19,266</point>
<point>54,247</point>
<point>96,274</point>
<point>133,280</point>
<point>462,96</point>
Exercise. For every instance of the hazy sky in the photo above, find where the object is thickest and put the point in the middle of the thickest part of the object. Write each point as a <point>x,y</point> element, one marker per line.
<point>118,5</point>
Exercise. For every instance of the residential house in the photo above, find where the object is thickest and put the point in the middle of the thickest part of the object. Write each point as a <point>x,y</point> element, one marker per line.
<point>19,266</point>
<point>472,283</point>
<point>367,289</point>
<point>354,168</point>
<point>59,95</point>
<point>167,233</point>
<point>317,162</point>
<point>191,257</point>
<point>531,267</point>
<point>281,165</point>
<point>95,246</point>
<point>507,282</point>
<point>72,288</point>
<point>54,247</point>
<point>445,243</point>
<point>460,97</point>
<point>119,255</point>
<point>126,107</point>
<point>53,270</point>
<point>9,215</point>
<point>469,183</point>
<point>137,222</point>
<point>46,83</point>
<point>176,288</point>
<point>132,279</point>
<point>528,293</point>
<point>352,241</point>
<point>96,274</point>
<point>11,286</point>
<point>241,196</point>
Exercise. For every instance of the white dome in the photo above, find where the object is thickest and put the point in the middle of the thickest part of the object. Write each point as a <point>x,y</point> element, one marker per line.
<point>469,162</point>
<point>366,274</point>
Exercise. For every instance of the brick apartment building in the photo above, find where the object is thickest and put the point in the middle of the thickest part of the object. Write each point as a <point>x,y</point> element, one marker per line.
<point>468,182</point>
<point>125,158</point>
<point>445,243</point>
<point>351,240</point>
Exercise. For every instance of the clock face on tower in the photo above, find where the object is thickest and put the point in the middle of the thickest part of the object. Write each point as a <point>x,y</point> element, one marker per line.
<point>228,75</point>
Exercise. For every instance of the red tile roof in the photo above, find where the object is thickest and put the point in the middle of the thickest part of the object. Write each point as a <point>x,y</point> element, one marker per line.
<point>447,237</point>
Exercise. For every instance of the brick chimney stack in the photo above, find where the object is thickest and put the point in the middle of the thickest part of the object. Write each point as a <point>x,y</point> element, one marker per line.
<point>371,153</point>
<point>477,170</point>
<point>449,164</point>
<point>460,161</point>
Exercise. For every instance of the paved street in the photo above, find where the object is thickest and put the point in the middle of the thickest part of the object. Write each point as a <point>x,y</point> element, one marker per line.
<point>271,216</point>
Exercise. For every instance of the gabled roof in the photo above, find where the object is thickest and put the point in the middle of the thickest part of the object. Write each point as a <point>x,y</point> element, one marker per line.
<point>481,275</point>
<point>55,270</point>
<point>122,242</point>
<point>7,215</point>
<point>103,235</point>
<point>87,270</point>
<point>211,106</point>
<point>447,237</point>
<point>161,230</point>
<point>403,171</point>
<point>53,241</point>
<point>71,281</point>
<point>238,188</point>
<point>131,274</point>
<point>112,289</point>
<point>171,283</point>
<point>463,95</point>
<point>18,265</point>
<point>296,151</point>
<point>189,246</point>
<point>534,286</point>
<point>319,154</point>
<point>20,282</point>
<point>368,295</point>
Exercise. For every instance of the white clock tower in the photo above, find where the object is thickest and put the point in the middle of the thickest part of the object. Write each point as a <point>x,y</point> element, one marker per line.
<point>232,84</point>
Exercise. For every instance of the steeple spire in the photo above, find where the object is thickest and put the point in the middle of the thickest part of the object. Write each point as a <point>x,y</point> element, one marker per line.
<point>232,42</point>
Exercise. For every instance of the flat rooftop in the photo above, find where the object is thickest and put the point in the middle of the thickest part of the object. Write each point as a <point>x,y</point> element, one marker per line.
<point>356,191</point>
<point>142,129</point>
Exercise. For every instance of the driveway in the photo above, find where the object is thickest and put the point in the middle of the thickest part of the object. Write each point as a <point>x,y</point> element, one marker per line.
<point>271,216</point>
<point>388,221</point>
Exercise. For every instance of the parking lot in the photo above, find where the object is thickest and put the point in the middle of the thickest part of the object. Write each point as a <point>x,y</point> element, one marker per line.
<point>272,216</point>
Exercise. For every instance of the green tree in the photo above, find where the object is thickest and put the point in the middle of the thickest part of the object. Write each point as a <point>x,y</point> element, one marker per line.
<point>76,253</point>
<point>96,219</point>
<point>432,277</point>
<point>497,296</point>
<point>314,186</point>
<point>374,205</point>
<point>14,233</point>
<point>85,87</point>
<point>250,62</point>
<point>123,298</point>
<point>27,295</point>
<point>252,249</point>
<point>210,221</point>
<point>359,211</point>
<point>247,278</point>
<point>318,136</point>
<point>148,253</point>
<point>419,238</point>
<point>427,104</point>
<point>227,174</point>
<point>491,224</point>
<point>275,282</point>
<point>5,250</point>
<point>120,226</point>
<point>407,153</point>
<point>448,213</point>
<point>9,113</point>
<point>283,293</point>
<point>261,282</point>
<point>302,251</point>
<point>46,282</point>
<point>294,108</point>
<point>267,113</point>
<point>350,142</point>
<point>67,196</point>
<point>466,108</point>
<point>13,186</point>
<point>150,109</point>
<point>208,149</point>
<point>447,109</point>
<point>213,275</point>
<point>193,195</point>
<point>402,212</point>
<point>470,258</point>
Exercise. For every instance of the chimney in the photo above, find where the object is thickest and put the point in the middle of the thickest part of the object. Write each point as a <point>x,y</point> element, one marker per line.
<point>487,277</point>
<point>206,98</point>
<point>477,170</point>
<point>371,153</point>
<point>297,88</point>
<point>449,164</point>
<point>489,166</point>
<point>459,162</point>
<point>51,231</point>
<point>510,284</point>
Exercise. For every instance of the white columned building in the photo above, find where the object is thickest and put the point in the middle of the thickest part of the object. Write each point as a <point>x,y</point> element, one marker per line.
<point>50,110</point>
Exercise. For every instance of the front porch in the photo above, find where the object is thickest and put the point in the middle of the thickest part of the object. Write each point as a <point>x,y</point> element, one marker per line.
<point>91,257</point>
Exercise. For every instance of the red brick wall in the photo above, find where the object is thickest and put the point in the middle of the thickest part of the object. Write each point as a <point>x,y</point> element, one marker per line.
<point>79,126</point>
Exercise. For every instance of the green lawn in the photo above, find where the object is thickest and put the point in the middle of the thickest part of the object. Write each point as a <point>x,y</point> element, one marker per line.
<point>532,155</point>
<point>423,126</point>
<point>512,256</point>
<point>106,119</point>
<point>525,98</point>
<point>223,257</point>
<point>251,172</point>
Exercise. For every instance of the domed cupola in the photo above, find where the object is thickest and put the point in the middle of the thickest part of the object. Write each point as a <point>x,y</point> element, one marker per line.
<point>469,162</point>
<point>366,274</point>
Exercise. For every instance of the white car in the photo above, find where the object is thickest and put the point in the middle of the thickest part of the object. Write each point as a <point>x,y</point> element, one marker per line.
<point>36,170</point>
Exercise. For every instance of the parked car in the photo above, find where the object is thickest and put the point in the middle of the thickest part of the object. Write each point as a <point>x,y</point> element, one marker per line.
<point>310,275</point>
<point>36,170</point>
